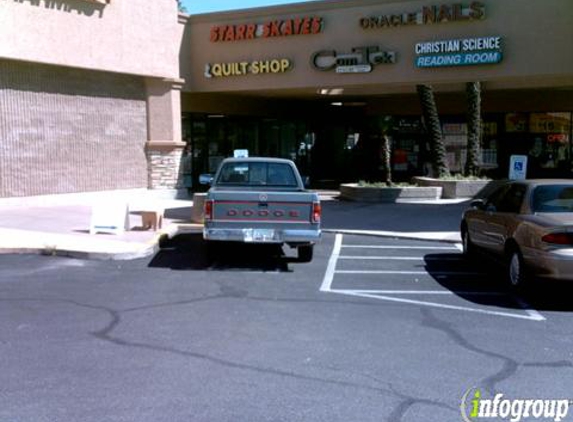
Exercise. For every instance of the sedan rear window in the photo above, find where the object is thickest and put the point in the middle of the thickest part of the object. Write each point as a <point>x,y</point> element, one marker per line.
<point>553,198</point>
<point>257,174</point>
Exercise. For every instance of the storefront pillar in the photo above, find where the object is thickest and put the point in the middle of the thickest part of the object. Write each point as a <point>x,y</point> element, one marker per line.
<point>164,148</point>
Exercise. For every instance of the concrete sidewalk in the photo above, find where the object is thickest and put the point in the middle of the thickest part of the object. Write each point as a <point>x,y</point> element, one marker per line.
<point>59,224</point>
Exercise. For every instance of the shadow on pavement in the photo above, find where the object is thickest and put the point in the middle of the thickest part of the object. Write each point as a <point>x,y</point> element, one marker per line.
<point>403,217</point>
<point>190,252</point>
<point>482,281</point>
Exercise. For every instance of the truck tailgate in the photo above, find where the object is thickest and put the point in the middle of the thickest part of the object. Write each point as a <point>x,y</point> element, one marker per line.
<point>262,208</point>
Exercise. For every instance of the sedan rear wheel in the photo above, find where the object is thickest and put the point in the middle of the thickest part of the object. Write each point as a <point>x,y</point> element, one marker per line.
<point>516,270</point>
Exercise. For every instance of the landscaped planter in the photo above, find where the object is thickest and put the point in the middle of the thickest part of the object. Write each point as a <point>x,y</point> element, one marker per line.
<point>453,188</point>
<point>353,192</point>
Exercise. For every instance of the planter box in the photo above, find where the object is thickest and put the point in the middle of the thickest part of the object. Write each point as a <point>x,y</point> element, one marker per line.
<point>453,188</point>
<point>353,192</point>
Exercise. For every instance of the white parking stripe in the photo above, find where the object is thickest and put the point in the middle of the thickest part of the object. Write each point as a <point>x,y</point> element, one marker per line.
<point>331,268</point>
<point>425,292</point>
<point>449,248</point>
<point>527,308</point>
<point>529,316</point>
<point>436,273</point>
<point>402,258</point>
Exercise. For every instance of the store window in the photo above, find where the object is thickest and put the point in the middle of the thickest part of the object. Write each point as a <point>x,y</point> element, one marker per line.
<point>212,137</point>
<point>409,151</point>
<point>489,143</point>
<point>551,143</point>
<point>455,141</point>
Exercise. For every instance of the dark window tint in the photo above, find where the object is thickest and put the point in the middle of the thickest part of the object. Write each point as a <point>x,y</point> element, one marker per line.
<point>257,174</point>
<point>553,198</point>
<point>494,200</point>
<point>512,200</point>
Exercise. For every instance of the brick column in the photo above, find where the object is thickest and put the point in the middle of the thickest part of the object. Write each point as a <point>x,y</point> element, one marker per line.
<point>164,164</point>
<point>164,147</point>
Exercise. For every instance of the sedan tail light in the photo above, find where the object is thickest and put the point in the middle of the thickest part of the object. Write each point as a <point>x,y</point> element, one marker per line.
<point>558,238</point>
<point>208,210</point>
<point>316,212</point>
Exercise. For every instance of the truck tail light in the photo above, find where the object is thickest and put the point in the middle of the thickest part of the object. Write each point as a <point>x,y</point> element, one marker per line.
<point>208,210</point>
<point>558,238</point>
<point>316,212</point>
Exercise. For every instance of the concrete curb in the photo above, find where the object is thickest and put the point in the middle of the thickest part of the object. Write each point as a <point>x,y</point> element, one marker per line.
<point>83,254</point>
<point>144,250</point>
<point>47,246</point>
<point>444,237</point>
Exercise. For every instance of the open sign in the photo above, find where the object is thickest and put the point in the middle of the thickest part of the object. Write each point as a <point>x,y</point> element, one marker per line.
<point>557,137</point>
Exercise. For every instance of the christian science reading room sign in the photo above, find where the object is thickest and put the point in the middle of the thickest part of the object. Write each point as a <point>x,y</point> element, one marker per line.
<point>462,52</point>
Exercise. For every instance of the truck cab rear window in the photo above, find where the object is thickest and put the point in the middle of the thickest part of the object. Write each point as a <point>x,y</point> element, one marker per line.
<point>257,174</point>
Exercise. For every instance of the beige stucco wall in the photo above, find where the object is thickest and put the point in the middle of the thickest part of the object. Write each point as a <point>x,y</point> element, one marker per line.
<point>127,36</point>
<point>536,38</point>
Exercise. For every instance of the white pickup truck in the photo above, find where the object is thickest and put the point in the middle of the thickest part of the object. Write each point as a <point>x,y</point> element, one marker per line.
<point>262,200</point>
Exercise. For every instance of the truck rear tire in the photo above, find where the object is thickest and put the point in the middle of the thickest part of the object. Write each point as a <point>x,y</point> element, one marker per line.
<point>305,253</point>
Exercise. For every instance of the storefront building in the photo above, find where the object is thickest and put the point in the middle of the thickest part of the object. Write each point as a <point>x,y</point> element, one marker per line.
<point>89,95</point>
<point>106,94</point>
<point>322,82</point>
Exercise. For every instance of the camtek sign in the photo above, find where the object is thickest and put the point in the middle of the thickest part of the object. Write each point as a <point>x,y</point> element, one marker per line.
<point>360,60</point>
<point>462,52</point>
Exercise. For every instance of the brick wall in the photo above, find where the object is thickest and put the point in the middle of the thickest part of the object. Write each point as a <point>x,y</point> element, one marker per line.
<point>66,130</point>
<point>165,169</point>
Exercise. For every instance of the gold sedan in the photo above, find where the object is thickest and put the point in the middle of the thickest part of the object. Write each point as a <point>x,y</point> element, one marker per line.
<point>527,223</point>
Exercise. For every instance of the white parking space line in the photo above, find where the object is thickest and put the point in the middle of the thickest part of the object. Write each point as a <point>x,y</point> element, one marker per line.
<point>394,258</point>
<point>423,292</point>
<point>527,308</point>
<point>432,248</point>
<point>529,316</point>
<point>331,268</point>
<point>400,258</point>
<point>434,273</point>
<point>389,295</point>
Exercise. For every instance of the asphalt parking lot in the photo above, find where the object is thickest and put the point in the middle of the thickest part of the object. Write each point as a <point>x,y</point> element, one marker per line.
<point>373,329</point>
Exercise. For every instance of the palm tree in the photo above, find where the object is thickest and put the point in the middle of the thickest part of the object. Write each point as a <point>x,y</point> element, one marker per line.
<point>432,123</point>
<point>382,126</point>
<point>473,94</point>
<point>180,6</point>
<point>385,156</point>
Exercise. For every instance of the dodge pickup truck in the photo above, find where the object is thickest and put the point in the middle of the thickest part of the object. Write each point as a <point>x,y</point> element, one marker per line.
<point>262,200</point>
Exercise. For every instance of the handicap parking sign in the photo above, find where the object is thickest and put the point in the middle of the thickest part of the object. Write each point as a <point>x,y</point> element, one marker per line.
<point>518,167</point>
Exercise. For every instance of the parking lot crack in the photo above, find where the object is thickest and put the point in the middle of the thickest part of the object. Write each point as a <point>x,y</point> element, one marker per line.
<point>509,366</point>
<point>562,364</point>
<point>408,401</point>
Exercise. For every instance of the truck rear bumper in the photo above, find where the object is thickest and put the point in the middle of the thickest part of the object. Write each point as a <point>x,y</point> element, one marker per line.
<point>262,235</point>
